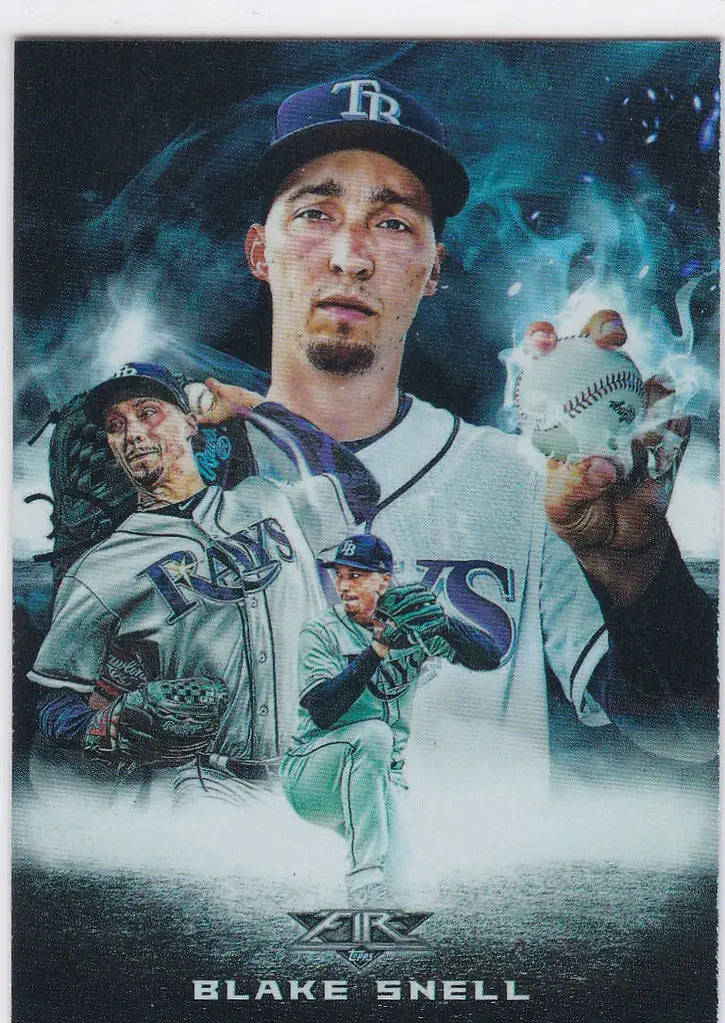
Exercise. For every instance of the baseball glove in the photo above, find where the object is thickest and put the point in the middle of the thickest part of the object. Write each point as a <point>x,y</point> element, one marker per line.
<point>408,616</point>
<point>92,495</point>
<point>165,722</point>
<point>438,646</point>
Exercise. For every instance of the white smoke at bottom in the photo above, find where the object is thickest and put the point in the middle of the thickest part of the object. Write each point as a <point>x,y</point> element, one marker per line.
<point>459,837</point>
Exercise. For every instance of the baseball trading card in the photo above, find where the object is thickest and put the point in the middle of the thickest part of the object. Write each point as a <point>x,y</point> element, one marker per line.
<point>366,530</point>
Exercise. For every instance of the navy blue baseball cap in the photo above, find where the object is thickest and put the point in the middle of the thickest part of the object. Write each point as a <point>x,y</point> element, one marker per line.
<point>137,380</point>
<point>365,113</point>
<point>364,551</point>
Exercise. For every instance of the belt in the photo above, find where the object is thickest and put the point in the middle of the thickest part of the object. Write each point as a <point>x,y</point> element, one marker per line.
<point>242,769</point>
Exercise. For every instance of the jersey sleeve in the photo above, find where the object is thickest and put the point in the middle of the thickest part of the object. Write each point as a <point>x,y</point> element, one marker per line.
<point>575,635</point>
<point>75,649</point>
<point>319,658</point>
<point>321,510</point>
<point>315,452</point>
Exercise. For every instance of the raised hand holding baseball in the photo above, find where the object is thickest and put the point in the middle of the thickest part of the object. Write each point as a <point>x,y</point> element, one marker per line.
<point>579,396</point>
<point>614,521</point>
<point>213,402</point>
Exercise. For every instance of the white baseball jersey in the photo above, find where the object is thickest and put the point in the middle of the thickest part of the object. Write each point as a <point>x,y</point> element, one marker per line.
<point>222,594</point>
<point>462,509</point>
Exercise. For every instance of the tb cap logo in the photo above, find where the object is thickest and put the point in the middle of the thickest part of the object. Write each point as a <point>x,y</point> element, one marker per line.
<point>367,89</point>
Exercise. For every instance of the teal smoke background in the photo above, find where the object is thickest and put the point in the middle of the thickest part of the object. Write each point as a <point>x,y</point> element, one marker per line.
<point>588,160</point>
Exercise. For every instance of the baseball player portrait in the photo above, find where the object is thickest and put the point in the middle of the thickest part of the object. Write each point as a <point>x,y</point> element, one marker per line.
<point>365,639</point>
<point>359,665</point>
<point>174,640</point>
<point>571,570</point>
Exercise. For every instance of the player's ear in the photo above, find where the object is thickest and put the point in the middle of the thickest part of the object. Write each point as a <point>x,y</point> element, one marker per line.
<point>431,285</point>
<point>254,250</point>
<point>384,583</point>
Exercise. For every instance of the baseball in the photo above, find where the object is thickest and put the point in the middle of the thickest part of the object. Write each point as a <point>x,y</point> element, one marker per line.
<point>201,399</point>
<point>580,400</point>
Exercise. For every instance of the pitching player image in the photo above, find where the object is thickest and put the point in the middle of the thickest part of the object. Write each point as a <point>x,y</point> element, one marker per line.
<point>359,665</point>
<point>572,570</point>
<point>174,640</point>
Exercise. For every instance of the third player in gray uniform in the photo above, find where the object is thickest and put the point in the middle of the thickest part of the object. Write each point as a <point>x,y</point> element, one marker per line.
<point>574,570</point>
<point>344,769</point>
<point>198,583</point>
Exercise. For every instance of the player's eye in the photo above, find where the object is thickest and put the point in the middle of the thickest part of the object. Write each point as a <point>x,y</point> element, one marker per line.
<point>113,425</point>
<point>394,224</point>
<point>311,214</point>
<point>147,411</point>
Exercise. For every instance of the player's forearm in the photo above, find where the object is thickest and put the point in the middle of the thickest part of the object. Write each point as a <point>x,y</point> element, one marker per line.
<point>332,697</point>
<point>672,629</point>
<point>474,648</point>
<point>64,715</point>
<point>658,682</point>
<point>322,454</point>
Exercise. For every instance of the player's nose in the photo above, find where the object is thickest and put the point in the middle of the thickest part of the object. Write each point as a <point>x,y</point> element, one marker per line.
<point>133,429</point>
<point>351,252</point>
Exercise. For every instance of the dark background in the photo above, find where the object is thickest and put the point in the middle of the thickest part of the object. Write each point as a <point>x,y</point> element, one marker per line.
<point>554,136</point>
<point>590,943</point>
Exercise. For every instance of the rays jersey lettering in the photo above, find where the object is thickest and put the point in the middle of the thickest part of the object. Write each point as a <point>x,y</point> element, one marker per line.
<point>461,582</point>
<point>243,563</point>
<point>393,676</point>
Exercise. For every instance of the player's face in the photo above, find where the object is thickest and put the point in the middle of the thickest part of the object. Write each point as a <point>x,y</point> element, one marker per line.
<point>359,590</point>
<point>149,438</point>
<point>348,251</point>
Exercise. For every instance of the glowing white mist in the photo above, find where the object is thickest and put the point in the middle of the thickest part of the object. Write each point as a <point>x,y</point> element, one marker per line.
<point>694,512</point>
<point>651,344</point>
<point>695,509</point>
<point>459,832</point>
<point>118,324</point>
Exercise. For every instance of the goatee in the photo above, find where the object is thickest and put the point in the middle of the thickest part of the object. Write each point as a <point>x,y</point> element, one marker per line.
<point>341,358</point>
<point>149,478</point>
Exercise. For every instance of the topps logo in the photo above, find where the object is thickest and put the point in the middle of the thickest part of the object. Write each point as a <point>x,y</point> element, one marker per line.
<point>360,936</point>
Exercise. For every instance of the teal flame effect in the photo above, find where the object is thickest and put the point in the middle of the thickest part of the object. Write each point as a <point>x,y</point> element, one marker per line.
<point>569,192</point>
